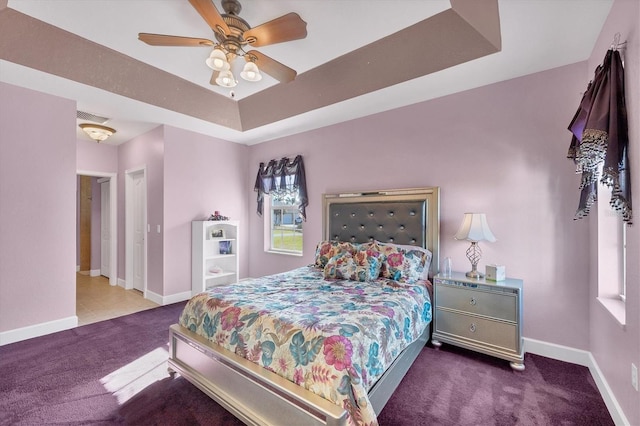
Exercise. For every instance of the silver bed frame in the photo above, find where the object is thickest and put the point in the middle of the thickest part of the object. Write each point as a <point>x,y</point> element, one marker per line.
<point>257,396</point>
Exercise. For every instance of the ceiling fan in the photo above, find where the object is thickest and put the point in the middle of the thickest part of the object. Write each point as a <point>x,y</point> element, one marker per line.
<point>233,35</point>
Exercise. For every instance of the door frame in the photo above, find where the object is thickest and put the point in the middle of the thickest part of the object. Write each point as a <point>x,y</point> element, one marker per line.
<point>113,200</point>
<point>129,235</point>
<point>103,202</point>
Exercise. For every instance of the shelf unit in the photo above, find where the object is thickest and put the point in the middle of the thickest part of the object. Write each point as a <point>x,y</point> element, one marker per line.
<point>214,254</point>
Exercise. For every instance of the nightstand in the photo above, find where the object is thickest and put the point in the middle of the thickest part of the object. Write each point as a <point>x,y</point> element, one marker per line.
<point>481,315</point>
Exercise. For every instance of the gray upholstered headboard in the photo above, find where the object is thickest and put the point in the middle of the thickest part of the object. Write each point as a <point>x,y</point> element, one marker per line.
<point>407,216</point>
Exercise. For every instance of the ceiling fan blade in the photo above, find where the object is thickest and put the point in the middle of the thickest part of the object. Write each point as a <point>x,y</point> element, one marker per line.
<point>169,40</point>
<point>210,14</point>
<point>275,69</point>
<point>285,28</point>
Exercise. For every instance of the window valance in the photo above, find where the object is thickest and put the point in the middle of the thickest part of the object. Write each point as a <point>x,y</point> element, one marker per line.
<point>600,141</point>
<point>284,180</point>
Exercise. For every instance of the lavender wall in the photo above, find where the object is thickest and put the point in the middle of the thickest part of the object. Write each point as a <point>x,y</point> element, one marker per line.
<point>499,149</point>
<point>96,157</point>
<point>201,174</point>
<point>615,347</point>
<point>37,232</point>
<point>144,151</point>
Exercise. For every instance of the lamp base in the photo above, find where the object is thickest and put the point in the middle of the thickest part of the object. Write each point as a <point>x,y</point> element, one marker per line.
<point>474,274</point>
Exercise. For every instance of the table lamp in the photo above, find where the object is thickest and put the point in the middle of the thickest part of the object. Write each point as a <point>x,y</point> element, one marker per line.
<point>474,228</point>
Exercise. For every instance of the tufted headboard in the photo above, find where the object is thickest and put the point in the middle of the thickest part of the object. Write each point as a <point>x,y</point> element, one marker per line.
<point>406,216</point>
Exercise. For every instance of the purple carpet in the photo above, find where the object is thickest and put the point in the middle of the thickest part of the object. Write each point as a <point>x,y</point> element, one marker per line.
<point>56,379</point>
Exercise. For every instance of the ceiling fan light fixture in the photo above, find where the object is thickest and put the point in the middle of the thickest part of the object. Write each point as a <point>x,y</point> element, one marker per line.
<point>226,79</point>
<point>97,132</point>
<point>217,61</point>
<point>250,72</point>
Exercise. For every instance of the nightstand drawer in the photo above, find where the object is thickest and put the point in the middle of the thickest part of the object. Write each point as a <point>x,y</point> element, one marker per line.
<point>491,304</point>
<point>485,331</point>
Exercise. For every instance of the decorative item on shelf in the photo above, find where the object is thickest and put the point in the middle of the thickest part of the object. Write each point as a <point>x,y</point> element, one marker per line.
<point>215,270</point>
<point>474,228</point>
<point>217,216</point>
<point>225,247</point>
<point>217,233</point>
<point>496,272</point>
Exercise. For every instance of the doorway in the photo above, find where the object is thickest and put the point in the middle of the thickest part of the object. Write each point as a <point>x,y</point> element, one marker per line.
<point>108,234</point>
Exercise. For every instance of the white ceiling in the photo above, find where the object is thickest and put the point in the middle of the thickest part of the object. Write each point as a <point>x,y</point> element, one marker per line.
<point>536,35</point>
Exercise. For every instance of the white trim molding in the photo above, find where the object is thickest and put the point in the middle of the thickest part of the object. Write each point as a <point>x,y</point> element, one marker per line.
<point>584,358</point>
<point>167,300</point>
<point>37,330</point>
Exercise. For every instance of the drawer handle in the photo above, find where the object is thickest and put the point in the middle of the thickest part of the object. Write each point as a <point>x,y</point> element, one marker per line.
<point>472,328</point>
<point>472,301</point>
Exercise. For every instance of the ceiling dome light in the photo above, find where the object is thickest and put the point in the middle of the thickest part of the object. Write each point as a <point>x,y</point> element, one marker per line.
<point>217,61</point>
<point>97,132</point>
<point>250,72</point>
<point>226,79</point>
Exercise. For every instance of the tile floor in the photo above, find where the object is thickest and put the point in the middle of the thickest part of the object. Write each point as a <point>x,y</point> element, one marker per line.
<point>96,300</point>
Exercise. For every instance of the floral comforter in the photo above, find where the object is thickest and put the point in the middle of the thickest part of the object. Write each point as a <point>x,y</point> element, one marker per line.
<point>333,337</point>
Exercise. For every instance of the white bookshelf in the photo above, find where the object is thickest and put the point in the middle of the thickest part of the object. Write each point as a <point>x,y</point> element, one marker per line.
<point>214,254</point>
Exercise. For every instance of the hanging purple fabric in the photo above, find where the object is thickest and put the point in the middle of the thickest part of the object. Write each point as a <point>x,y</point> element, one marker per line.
<point>283,179</point>
<point>600,139</point>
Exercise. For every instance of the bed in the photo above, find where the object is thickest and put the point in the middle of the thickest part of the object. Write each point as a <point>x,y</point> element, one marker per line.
<point>231,345</point>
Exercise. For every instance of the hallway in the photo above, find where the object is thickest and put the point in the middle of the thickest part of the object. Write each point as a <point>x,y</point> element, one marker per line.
<point>96,300</point>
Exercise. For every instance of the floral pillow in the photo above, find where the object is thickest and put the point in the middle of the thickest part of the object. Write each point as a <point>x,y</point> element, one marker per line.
<point>325,250</point>
<point>362,266</point>
<point>401,264</point>
<point>428,255</point>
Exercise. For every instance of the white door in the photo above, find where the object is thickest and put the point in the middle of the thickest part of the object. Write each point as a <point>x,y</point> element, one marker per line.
<point>138,199</point>
<point>105,228</point>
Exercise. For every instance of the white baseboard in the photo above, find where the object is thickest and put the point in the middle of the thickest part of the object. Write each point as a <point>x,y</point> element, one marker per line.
<point>559,352</point>
<point>37,330</point>
<point>584,358</point>
<point>94,273</point>
<point>122,283</point>
<point>167,300</point>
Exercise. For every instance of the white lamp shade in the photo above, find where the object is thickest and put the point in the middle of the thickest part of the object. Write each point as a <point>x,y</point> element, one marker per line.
<point>218,61</point>
<point>474,227</point>
<point>250,72</point>
<point>226,79</point>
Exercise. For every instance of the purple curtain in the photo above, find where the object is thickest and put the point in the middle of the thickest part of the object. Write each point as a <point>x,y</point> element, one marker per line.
<point>283,180</point>
<point>600,142</point>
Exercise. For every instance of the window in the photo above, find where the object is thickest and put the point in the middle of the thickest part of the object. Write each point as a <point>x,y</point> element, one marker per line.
<point>285,225</point>
<point>612,256</point>
<point>612,248</point>
<point>283,184</point>
<point>623,284</point>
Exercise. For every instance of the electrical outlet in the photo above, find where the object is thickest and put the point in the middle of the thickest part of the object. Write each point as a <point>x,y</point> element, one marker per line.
<point>634,376</point>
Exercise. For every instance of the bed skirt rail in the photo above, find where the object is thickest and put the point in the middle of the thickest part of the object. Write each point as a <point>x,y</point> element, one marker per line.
<point>380,393</point>
<point>254,395</point>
